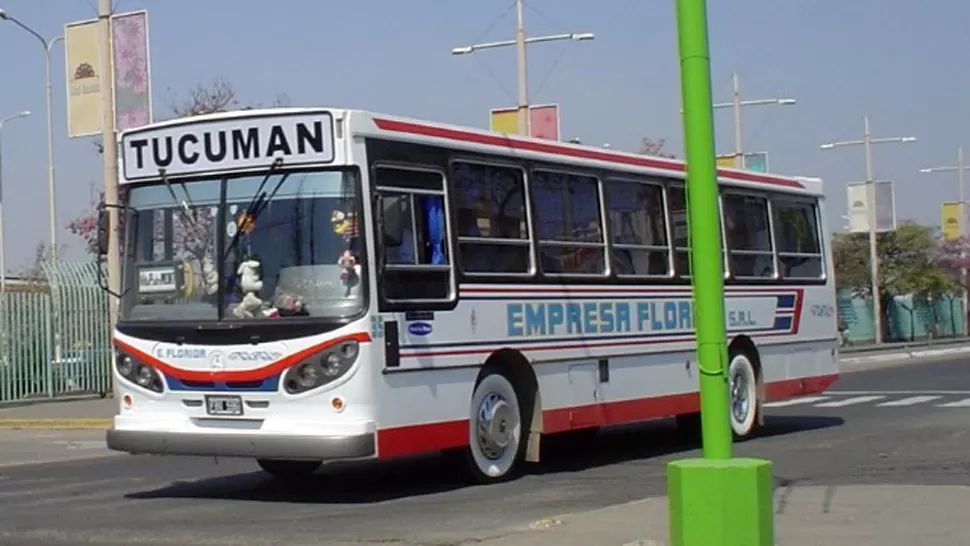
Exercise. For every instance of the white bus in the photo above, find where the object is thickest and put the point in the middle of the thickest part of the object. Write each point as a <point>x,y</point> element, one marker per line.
<point>304,286</point>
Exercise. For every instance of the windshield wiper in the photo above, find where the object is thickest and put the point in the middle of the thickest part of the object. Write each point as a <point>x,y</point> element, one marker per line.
<point>258,203</point>
<point>184,207</point>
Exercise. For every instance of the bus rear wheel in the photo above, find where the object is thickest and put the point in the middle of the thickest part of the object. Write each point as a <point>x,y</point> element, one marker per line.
<point>743,384</point>
<point>496,450</point>
<point>288,470</point>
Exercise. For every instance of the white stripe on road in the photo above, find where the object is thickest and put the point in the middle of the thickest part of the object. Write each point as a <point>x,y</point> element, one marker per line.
<point>901,393</point>
<point>911,401</point>
<point>796,401</point>
<point>849,401</point>
<point>965,403</point>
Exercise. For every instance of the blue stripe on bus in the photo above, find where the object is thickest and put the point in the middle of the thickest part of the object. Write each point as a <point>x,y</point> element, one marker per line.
<point>595,339</point>
<point>270,384</point>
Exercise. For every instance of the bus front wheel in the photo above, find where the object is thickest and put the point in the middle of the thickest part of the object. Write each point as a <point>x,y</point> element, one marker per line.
<point>496,449</point>
<point>288,469</point>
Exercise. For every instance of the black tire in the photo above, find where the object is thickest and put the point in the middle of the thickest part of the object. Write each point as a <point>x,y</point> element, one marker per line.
<point>288,470</point>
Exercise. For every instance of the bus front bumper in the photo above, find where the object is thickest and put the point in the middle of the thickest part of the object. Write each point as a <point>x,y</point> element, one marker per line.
<point>259,446</point>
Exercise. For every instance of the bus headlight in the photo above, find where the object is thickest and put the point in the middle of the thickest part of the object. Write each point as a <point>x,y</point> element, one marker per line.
<point>138,373</point>
<point>322,369</point>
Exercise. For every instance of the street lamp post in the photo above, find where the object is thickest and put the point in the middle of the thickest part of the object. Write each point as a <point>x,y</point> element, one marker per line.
<point>3,263</point>
<point>736,104</point>
<point>960,168</point>
<point>520,42</point>
<point>867,142</point>
<point>48,46</point>
<point>4,330</point>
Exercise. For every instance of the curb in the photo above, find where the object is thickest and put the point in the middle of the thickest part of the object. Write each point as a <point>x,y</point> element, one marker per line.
<point>57,424</point>
<point>906,355</point>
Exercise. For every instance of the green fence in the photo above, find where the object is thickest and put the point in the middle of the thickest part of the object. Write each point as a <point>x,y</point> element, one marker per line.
<point>54,336</point>
<point>909,319</point>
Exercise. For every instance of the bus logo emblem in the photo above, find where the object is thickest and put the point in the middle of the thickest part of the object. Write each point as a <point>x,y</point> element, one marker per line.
<point>216,361</point>
<point>419,328</point>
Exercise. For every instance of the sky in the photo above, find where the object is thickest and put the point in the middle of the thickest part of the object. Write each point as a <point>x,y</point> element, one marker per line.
<point>901,63</point>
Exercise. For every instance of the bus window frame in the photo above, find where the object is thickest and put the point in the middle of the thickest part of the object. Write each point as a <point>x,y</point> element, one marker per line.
<point>597,176</point>
<point>411,304</point>
<point>473,276</point>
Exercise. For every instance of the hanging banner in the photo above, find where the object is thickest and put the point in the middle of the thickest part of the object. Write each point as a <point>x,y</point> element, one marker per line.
<point>858,208</point>
<point>131,65</point>
<point>131,73</point>
<point>82,62</point>
<point>543,121</point>
<point>950,219</point>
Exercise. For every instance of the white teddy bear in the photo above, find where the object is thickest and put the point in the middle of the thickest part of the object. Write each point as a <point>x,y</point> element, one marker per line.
<point>251,285</point>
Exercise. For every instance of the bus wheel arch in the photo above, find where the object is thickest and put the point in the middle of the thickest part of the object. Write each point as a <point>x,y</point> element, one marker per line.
<point>744,363</point>
<point>507,370</point>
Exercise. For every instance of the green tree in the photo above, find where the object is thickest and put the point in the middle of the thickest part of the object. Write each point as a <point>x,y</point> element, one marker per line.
<point>911,262</point>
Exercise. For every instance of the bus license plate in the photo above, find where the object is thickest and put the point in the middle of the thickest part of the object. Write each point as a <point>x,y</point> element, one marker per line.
<point>224,405</point>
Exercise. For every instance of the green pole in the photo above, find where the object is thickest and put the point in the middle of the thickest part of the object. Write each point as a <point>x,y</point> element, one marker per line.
<point>703,217</point>
<point>717,500</point>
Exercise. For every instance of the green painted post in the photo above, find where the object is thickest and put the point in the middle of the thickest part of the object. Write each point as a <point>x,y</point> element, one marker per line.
<point>717,500</point>
<point>703,217</point>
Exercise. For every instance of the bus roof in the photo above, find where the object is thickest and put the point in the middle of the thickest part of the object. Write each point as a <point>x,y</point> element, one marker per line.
<point>372,124</point>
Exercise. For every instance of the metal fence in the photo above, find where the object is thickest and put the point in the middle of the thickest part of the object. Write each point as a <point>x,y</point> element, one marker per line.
<point>907,318</point>
<point>55,338</point>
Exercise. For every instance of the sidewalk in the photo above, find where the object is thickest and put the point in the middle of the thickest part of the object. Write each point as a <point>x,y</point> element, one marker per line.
<point>60,414</point>
<point>880,515</point>
<point>897,352</point>
<point>868,346</point>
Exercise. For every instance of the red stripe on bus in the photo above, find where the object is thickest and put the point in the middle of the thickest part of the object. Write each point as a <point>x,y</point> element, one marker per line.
<point>257,374</point>
<point>550,148</point>
<point>423,438</point>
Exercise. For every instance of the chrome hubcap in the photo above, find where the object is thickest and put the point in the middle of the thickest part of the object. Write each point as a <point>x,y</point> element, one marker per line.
<point>739,396</point>
<point>496,421</point>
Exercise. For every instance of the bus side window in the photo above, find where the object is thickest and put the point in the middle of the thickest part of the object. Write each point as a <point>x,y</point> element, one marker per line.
<point>746,228</point>
<point>414,241</point>
<point>797,239</point>
<point>493,225</point>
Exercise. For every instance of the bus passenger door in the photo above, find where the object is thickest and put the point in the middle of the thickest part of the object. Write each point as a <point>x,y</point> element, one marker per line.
<point>584,382</point>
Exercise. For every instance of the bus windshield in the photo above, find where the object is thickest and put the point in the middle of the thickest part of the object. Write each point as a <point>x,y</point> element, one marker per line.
<point>264,247</point>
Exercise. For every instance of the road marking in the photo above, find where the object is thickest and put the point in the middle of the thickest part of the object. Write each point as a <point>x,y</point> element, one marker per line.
<point>849,401</point>
<point>911,401</point>
<point>796,401</point>
<point>901,393</point>
<point>965,403</point>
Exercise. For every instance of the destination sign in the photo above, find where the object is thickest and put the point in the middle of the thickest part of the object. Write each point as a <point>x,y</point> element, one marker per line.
<point>228,145</point>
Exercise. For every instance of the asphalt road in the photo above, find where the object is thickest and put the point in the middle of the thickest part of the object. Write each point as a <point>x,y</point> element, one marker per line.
<point>898,425</point>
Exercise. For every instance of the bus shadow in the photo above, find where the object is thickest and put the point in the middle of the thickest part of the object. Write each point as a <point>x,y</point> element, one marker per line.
<point>369,482</point>
<point>654,440</point>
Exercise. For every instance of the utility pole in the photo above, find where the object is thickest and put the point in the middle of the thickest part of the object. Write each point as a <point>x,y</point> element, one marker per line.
<point>520,44</point>
<point>522,79</point>
<point>736,104</point>
<point>867,142</point>
<point>110,158</point>
<point>960,168</point>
